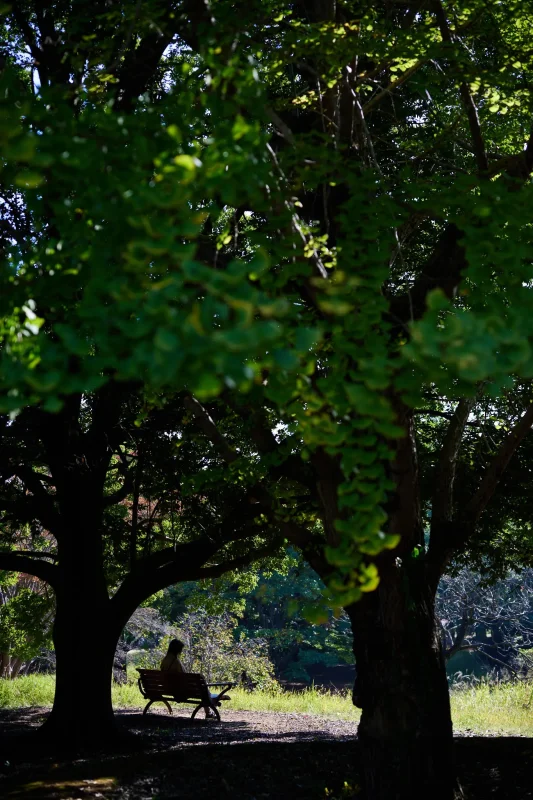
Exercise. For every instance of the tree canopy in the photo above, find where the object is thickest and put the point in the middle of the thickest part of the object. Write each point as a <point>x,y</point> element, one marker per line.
<point>274,234</point>
<point>323,209</point>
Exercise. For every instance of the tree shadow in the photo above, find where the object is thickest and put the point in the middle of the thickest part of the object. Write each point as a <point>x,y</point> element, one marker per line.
<point>176,757</point>
<point>496,767</point>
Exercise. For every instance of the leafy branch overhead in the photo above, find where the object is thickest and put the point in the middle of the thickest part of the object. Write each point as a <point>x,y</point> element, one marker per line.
<point>289,223</point>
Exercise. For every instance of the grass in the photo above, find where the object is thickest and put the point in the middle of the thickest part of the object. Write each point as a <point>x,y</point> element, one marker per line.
<point>496,708</point>
<point>31,690</point>
<point>486,708</point>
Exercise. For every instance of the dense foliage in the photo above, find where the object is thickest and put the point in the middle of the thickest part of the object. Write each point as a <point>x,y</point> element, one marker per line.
<point>368,174</point>
<point>250,252</point>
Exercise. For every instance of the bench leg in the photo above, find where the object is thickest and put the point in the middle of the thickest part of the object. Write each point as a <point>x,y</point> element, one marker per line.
<point>207,709</point>
<point>157,701</point>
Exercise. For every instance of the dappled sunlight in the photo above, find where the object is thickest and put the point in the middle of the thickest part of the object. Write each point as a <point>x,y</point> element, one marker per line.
<point>63,789</point>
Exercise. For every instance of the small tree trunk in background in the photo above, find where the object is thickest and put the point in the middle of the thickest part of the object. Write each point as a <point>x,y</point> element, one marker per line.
<point>405,732</point>
<point>4,662</point>
<point>16,664</point>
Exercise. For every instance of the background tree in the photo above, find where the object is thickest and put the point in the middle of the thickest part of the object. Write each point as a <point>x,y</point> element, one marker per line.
<point>492,621</point>
<point>270,604</point>
<point>115,501</point>
<point>26,614</point>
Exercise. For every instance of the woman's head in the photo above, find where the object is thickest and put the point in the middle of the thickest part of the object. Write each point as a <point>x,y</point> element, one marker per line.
<point>175,647</point>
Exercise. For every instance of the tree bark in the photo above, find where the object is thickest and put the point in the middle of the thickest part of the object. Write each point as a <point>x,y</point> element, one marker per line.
<point>405,731</point>
<point>85,641</point>
<point>85,632</point>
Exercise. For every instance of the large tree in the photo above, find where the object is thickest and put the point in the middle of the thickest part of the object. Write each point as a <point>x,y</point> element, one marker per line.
<point>304,217</point>
<point>121,523</point>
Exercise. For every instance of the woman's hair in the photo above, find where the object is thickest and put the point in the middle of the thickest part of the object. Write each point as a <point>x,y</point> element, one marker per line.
<point>175,647</point>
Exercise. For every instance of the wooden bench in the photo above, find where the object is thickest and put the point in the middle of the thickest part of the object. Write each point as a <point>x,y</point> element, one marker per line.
<point>181,687</point>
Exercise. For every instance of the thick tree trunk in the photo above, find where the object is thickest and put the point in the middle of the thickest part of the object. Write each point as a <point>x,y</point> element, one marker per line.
<point>85,636</point>
<point>405,732</point>
<point>84,641</point>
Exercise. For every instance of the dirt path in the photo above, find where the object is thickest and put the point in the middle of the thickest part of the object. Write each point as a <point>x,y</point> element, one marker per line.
<point>249,756</point>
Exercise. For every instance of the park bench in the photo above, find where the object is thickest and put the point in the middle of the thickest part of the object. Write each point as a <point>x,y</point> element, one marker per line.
<point>181,687</point>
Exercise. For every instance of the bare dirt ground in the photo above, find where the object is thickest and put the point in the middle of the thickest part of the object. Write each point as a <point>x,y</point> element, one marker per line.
<point>248,756</point>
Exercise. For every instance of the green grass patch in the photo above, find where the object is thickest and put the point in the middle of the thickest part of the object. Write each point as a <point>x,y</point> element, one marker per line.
<point>26,691</point>
<point>495,708</point>
<point>309,701</point>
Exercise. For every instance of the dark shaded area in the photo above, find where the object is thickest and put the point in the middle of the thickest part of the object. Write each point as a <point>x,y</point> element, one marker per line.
<point>339,677</point>
<point>289,756</point>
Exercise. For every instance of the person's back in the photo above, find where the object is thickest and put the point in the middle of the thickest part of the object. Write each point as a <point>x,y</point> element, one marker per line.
<point>171,662</point>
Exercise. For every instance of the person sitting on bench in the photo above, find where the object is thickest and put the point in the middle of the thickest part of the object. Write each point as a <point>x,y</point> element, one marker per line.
<point>171,662</point>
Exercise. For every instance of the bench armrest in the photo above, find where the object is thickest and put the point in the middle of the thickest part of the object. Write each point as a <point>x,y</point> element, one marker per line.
<point>229,684</point>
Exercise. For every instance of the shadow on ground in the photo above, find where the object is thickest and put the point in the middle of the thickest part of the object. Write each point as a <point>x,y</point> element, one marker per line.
<point>175,757</point>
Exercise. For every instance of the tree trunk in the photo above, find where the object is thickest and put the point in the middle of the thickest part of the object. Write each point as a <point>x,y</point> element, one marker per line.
<point>4,665</point>
<point>16,665</point>
<point>84,642</point>
<point>85,636</point>
<point>405,732</point>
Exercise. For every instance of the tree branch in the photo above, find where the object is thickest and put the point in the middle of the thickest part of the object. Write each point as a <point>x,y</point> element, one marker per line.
<point>494,472</point>
<point>35,553</point>
<point>158,571</point>
<point>26,30</point>
<point>217,570</point>
<point>368,106</point>
<point>457,642</point>
<point>442,506</point>
<point>207,424</point>
<point>432,412</point>
<point>123,492</point>
<point>290,466</point>
<point>26,508</point>
<point>15,562</point>
<point>468,100</point>
<point>443,271</point>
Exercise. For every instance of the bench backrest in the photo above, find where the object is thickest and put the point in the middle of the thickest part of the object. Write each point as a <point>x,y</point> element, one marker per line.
<point>186,685</point>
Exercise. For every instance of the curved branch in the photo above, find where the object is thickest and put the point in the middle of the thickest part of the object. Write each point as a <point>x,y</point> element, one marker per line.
<point>289,466</point>
<point>159,570</point>
<point>121,494</point>
<point>187,563</point>
<point>216,570</point>
<point>15,562</point>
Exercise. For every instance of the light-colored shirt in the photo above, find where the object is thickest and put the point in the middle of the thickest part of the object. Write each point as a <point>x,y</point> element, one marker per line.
<point>171,663</point>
